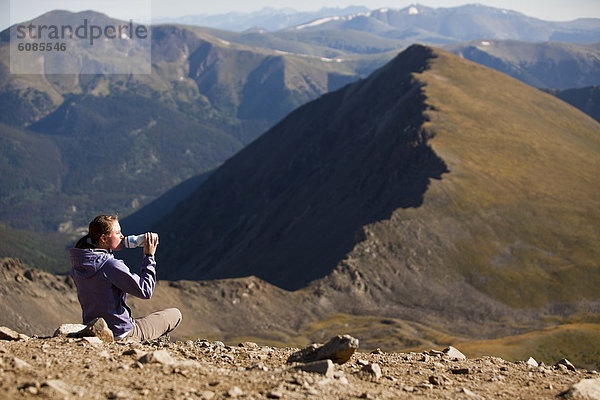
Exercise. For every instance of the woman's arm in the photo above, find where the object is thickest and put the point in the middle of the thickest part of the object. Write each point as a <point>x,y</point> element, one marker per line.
<point>141,286</point>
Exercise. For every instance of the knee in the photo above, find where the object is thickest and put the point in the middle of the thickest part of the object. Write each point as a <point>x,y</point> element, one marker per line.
<point>175,315</point>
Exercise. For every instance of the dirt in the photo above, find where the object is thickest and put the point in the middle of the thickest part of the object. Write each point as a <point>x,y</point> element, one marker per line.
<point>64,368</point>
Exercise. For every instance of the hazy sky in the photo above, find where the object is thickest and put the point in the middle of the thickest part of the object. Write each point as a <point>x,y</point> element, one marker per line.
<point>13,11</point>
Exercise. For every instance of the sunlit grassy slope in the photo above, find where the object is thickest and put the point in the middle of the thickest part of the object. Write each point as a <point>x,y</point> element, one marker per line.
<point>579,343</point>
<point>522,188</point>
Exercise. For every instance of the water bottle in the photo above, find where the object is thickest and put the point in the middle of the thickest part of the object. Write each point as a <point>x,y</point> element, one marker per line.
<point>133,241</point>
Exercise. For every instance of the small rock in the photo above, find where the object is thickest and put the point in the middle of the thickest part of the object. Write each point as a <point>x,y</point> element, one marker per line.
<point>469,393</point>
<point>66,329</point>
<point>453,353</point>
<point>58,386</point>
<point>566,363</point>
<point>248,345</point>
<point>339,350</point>
<point>30,387</point>
<point>585,389</point>
<point>460,371</point>
<point>531,361</point>
<point>377,351</point>
<point>116,395</point>
<point>98,328</point>
<point>157,357</point>
<point>235,392</point>
<point>137,353</point>
<point>323,367</point>
<point>8,334</point>
<point>92,340</point>
<point>277,393</point>
<point>259,365</point>
<point>207,395</point>
<point>20,364</point>
<point>439,380</point>
<point>362,362</point>
<point>373,370</point>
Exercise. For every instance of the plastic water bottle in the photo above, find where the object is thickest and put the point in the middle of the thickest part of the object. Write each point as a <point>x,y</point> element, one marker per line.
<point>133,241</point>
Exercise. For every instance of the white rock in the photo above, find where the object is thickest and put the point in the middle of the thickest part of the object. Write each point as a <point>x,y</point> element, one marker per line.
<point>532,362</point>
<point>372,369</point>
<point>65,329</point>
<point>454,353</point>
<point>158,356</point>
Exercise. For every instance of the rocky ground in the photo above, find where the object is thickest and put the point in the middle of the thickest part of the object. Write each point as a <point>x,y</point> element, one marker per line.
<point>65,367</point>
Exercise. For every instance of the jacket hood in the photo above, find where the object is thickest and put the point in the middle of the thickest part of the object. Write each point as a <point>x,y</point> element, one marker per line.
<point>86,262</point>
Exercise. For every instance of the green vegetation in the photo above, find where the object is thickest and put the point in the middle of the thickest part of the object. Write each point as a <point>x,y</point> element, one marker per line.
<point>46,251</point>
<point>522,186</point>
<point>579,343</point>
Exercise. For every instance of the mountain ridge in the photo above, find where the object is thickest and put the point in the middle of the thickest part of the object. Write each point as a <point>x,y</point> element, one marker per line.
<point>508,224</point>
<point>321,151</point>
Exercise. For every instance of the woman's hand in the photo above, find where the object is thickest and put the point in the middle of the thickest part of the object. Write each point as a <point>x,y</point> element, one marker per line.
<point>150,243</point>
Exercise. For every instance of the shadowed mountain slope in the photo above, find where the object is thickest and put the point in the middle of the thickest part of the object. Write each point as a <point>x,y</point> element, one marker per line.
<point>587,99</point>
<point>343,189</point>
<point>346,160</point>
<point>542,65</point>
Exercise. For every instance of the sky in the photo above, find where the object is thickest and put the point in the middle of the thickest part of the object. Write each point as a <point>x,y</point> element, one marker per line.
<point>14,11</point>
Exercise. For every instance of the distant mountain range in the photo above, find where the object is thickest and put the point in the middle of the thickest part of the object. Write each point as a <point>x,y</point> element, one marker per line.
<point>455,24</point>
<point>205,99</point>
<point>268,18</point>
<point>416,23</point>
<point>211,93</point>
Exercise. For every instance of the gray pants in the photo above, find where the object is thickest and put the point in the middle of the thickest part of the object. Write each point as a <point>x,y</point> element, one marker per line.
<point>154,325</point>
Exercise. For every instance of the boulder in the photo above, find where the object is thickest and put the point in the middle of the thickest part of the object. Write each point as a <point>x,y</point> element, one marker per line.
<point>97,328</point>
<point>585,389</point>
<point>565,363</point>
<point>339,350</point>
<point>8,334</point>
<point>454,353</point>
<point>66,329</point>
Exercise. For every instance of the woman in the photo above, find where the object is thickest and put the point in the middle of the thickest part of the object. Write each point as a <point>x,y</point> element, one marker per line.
<point>103,282</point>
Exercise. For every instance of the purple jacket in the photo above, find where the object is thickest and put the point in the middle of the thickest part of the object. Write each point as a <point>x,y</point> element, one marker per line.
<point>103,283</point>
